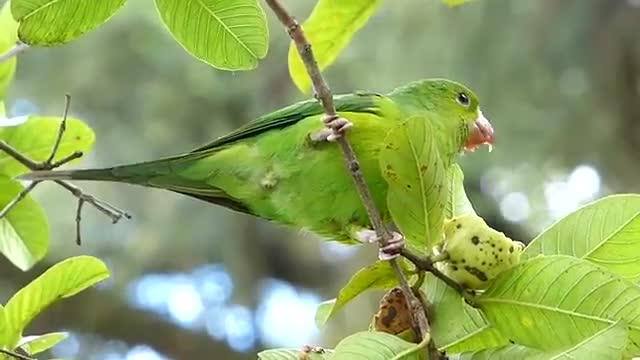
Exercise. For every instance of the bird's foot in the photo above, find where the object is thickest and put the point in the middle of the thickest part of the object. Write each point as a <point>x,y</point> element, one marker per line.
<point>387,252</point>
<point>337,125</point>
<point>335,128</point>
<point>307,349</point>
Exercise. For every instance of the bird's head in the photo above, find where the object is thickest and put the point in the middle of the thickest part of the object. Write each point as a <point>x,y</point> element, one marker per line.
<point>456,112</point>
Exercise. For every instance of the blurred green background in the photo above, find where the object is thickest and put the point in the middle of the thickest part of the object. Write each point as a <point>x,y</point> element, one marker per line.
<point>560,81</point>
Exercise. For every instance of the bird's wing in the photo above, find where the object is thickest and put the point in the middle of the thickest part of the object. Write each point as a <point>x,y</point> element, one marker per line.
<point>359,102</point>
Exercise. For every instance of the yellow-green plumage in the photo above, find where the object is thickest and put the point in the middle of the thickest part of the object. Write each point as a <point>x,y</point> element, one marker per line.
<point>271,169</point>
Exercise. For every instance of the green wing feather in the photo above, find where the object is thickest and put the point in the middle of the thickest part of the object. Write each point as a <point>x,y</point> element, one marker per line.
<point>359,102</point>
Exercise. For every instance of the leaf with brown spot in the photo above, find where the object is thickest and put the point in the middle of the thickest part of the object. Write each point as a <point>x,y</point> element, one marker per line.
<point>415,198</point>
<point>393,315</point>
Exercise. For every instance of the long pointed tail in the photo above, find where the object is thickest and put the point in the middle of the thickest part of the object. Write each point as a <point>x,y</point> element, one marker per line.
<point>88,174</point>
<point>139,173</point>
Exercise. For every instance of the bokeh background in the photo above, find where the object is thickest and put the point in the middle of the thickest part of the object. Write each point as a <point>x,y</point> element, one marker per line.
<point>560,80</point>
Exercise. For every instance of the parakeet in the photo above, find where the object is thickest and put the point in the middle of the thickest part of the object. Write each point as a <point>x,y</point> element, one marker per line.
<point>283,167</point>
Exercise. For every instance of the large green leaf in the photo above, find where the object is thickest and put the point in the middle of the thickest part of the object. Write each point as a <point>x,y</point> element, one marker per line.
<point>39,343</point>
<point>455,2</point>
<point>226,34</point>
<point>606,344</point>
<point>35,138</point>
<point>482,338</point>
<point>4,329</point>
<point>24,231</point>
<point>329,28</point>
<point>418,188</point>
<point>552,302</point>
<point>380,275</point>
<point>458,203</point>
<point>374,345</point>
<point>62,280</point>
<point>606,232</point>
<point>54,22</point>
<point>8,38</point>
<point>456,325</point>
<point>293,354</point>
<point>507,352</point>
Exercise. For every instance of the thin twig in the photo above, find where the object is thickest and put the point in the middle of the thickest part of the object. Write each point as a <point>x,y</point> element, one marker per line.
<point>16,355</point>
<point>11,151</point>
<point>427,264</point>
<point>109,210</point>
<point>323,94</point>
<point>17,199</point>
<point>15,50</point>
<point>78,220</point>
<point>74,155</point>
<point>61,129</point>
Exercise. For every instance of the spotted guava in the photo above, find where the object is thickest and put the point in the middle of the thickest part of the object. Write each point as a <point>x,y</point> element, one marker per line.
<point>476,252</point>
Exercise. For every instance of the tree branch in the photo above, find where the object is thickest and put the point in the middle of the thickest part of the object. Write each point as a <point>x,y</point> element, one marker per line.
<point>323,94</point>
<point>427,264</point>
<point>109,210</point>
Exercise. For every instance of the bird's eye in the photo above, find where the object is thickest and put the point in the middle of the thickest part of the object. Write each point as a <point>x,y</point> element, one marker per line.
<point>463,99</point>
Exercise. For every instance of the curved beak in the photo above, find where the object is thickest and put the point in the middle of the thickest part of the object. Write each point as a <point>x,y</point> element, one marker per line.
<point>481,134</point>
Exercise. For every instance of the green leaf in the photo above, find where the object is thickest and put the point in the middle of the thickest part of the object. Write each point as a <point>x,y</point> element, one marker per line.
<point>8,38</point>
<point>4,329</point>
<point>453,3</point>
<point>552,302</point>
<point>418,191</point>
<point>62,280</point>
<point>373,345</point>
<point>380,275</point>
<point>55,22</point>
<point>484,337</point>
<point>39,343</point>
<point>35,138</point>
<point>458,203</point>
<point>507,352</point>
<point>329,29</point>
<point>24,231</point>
<point>605,232</point>
<point>457,326</point>
<point>228,35</point>
<point>293,354</point>
<point>606,344</point>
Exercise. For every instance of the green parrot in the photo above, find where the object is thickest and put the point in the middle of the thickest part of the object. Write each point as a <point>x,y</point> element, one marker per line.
<point>282,167</point>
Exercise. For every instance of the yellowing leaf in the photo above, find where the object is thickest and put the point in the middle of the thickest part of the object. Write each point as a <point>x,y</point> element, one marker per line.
<point>553,302</point>
<point>380,275</point>
<point>62,280</point>
<point>458,202</point>
<point>36,344</point>
<point>54,22</point>
<point>418,188</point>
<point>8,38</point>
<point>4,328</point>
<point>329,28</point>
<point>455,2</point>
<point>226,34</point>
<point>605,232</point>
<point>35,138</point>
<point>457,326</point>
<point>24,231</point>
<point>606,344</point>
<point>373,345</point>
